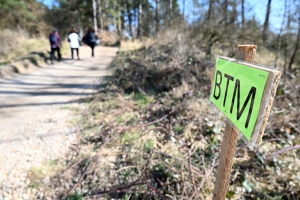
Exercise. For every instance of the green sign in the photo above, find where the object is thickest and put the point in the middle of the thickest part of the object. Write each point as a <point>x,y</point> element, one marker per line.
<point>237,90</point>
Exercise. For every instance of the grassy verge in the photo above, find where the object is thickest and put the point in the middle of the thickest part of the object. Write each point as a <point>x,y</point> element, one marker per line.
<point>152,134</point>
<point>16,46</point>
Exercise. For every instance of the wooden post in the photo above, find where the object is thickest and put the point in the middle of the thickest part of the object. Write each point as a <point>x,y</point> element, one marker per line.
<point>228,147</point>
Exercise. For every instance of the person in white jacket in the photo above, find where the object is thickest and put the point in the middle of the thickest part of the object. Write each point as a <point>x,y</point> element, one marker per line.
<point>74,40</point>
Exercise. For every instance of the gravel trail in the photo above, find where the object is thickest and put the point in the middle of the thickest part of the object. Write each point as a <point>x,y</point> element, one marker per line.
<point>34,116</point>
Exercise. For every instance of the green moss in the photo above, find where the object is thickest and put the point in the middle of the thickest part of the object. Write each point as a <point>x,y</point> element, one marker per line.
<point>128,137</point>
<point>75,196</point>
<point>178,129</point>
<point>148,145</point>
<point>142,99</point>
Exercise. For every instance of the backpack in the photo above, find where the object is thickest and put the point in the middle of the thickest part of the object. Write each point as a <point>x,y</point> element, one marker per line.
<point>52,38</point>
<point>91,37</point>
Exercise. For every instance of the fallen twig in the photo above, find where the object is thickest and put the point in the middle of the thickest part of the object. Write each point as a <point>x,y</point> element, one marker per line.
<point>283,151</point>
<point>155,190</point>
<point>119,189</point>
<point>165,116</point>
<point>183,161</point>
<point>127,103</point>
<point>126,128</point>
<point>192,176</point>
<point>73,165</point>
<point>292,125</point>
<point>80,179</point>
<point>206,175</point>
<point>88,167</point>
<point>123,188</point>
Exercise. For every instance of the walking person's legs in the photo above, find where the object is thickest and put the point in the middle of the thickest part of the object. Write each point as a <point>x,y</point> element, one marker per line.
<point>72,53</point>
<point>92,46</point>
<point>77,51</point>
<point>93,53</point>
<point>52,55</point>
<point>58,54</point>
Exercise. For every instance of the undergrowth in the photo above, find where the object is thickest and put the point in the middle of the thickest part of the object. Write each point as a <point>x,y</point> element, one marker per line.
<point>18,46</point>
<point>152,134</point>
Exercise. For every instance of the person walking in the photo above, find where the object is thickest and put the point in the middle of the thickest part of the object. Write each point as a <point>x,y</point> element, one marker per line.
<point>55,43</point>
<point>90,39</point>
<point>74,40</point>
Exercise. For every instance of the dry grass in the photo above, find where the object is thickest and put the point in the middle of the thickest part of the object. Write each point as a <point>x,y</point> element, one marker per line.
<point>152,134</point>
<point>16,45</point>
<point>108,38</point>
<point>131,45</point>
<point>9,40</point>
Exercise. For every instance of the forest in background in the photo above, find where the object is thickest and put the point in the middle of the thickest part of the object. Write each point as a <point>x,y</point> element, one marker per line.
<point>207,24</point>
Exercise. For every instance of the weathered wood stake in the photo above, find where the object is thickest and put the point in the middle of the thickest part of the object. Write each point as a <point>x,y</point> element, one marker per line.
<point>228,147</point>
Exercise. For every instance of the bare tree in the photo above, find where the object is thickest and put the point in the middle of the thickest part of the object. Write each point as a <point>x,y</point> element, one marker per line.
<point>139,32</point>
<point>171,11</point>
<point>157,10</point>
<point>100,13</point>
<point>234,15</point>
<point>129,15</point>
<point>183,5</point>
<point>266,24</point>
<point>296,45</point>
<point>95,15</point>
<point>280,35</point>
<point>119,19</point>
<point>122,4</point>
<point>287,32</point>
<point>225,7</point>
<point>243,14</point>
<point>210,10</point>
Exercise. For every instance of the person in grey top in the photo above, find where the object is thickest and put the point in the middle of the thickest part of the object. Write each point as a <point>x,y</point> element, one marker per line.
<point>74,40</point>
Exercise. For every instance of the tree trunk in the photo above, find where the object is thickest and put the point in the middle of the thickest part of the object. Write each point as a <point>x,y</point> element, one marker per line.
<point>123,3</point>
<point>225,12</point>
<point>136,17</point>
<point>296,46</point>
<point>287,29</point>
<point>210,10</point>
<point>183,6</point>
<point>243,14</point>
<point>157,10</point>
<point>280,35</point>
<point>170,12</point>
<point>147,33</point>
<point>235,12</point>
<point>119,20</point>
<point>95,15</point>
<point>266,24</point>
<point>104,15</point>
<point>139,33</point>
<point>129,15</point>
<point>100,13</point>
<point>123,14</point>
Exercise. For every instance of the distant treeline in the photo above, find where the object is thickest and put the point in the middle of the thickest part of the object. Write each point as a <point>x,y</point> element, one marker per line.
<point>216,23</point>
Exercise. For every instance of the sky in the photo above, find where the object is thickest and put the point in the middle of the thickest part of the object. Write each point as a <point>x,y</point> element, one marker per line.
<point>277,11</point>
<point>258,8</point>
<point>49,3</point>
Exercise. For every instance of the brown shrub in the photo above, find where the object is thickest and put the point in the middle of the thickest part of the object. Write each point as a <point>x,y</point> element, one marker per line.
<point>10,39</point>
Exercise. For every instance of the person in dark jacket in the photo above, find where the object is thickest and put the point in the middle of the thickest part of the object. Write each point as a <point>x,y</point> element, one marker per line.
<point>55,43</point>
<point>90,39</point>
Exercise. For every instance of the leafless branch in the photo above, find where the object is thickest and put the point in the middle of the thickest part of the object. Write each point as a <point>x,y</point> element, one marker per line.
<point>283,151</point>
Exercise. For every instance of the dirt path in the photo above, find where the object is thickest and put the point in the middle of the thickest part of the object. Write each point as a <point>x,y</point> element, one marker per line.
<point>34,119</point>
